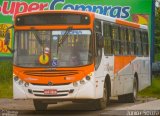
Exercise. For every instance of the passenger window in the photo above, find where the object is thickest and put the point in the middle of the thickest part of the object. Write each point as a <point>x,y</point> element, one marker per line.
<point>131,41</point>
<point>145,43</point>
<point>97,26</point>
<point>98,49</point>
<point>108,43</point>
<point>115,37</point>
<point>123,38</point>
<point>138,46</point>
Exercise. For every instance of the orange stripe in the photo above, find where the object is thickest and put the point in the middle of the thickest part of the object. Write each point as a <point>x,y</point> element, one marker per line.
<point>127,23</point>
<point>121,61</point>
<point>50,27</point>
<point>82,72</point>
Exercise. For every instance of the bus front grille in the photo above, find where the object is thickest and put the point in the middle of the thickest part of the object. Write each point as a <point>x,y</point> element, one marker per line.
<point>60,84</point>
<point>50,95</point>
<point>50,73</point>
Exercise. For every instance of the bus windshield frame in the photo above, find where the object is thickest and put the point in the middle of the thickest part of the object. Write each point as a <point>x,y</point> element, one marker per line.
<point>78,43</point>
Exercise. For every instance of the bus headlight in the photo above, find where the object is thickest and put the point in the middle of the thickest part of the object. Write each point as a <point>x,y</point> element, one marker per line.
<point>26,84</point>
<point>75,84</point>
<point>20,82</point>
<point>82,82</point>
<point>88,78</point>
<point>15,78</point>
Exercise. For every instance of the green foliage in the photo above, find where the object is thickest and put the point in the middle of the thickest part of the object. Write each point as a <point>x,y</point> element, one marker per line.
<point>6,89</point>
<point>6,79</point>
<point>157,34</point>
<point>6,69</point>
<point>157,57</point>
<point>153,90</point>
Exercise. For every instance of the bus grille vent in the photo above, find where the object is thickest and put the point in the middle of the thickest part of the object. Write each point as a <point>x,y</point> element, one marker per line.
<point>48,73</point>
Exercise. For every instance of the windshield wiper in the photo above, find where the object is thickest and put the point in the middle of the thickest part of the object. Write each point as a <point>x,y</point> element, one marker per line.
<point>64,37</point>
<point>39,41</point>
<point>37,37</point>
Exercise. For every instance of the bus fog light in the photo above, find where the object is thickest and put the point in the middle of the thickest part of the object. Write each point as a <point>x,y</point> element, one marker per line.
<point>82,82</point>
<point>20,82</point>
<point>88,78</point>
<point>71,90</point>
<point>75,84</point>
<point>26,84</point>
<point>30,91</point>
<point>15,78</point>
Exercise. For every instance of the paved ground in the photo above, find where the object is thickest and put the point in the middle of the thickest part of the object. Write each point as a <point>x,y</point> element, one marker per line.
<point>25,107</point>
<point>152,105</point>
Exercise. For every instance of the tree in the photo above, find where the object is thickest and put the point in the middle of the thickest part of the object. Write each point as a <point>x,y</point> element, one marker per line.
<point>157,31</point>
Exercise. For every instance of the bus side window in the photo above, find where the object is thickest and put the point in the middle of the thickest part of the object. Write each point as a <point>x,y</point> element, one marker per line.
<point>115,37</point>
<point>138,46</point>
<point>98,49</point>
<point>108,43</point>
<point>97,26</point>
<point>123,37</point>
<point>145,43</point>
<point>127,42</point>
<point>131,41</point>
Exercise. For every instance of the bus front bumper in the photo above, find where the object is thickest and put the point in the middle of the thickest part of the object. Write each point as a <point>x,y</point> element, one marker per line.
<point>81,91</point>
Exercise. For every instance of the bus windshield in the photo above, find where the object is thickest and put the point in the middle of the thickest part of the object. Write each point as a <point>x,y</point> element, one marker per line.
<point>46,49</point>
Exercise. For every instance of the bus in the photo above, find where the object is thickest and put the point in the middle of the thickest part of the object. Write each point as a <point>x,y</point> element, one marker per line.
<point>66,55</point>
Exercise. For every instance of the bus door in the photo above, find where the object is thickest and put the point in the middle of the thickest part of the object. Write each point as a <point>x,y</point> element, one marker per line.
<point>98,49</point>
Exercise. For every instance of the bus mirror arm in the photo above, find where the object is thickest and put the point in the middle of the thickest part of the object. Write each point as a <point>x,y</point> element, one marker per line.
<point>10,49</point>
<point>7,39</point>
<point>100,40</point>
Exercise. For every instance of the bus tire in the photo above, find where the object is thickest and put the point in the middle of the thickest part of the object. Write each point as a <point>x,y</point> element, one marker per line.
<point>102,103</point>
<point>39,105</point>
<point>131,97</point>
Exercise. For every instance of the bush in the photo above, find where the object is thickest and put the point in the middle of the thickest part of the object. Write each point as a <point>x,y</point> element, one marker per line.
<point>157,57</point>
<point>6,69</point>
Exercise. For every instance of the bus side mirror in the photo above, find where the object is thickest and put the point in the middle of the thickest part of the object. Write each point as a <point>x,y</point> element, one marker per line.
<point>100,40</point>
<point>7,39</point>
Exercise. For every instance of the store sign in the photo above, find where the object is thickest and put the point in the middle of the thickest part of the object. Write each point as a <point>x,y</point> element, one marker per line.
<point>138,11</point>
<point>13,8</point>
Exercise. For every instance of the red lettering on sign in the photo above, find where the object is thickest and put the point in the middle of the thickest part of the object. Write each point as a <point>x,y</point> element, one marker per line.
<point>15,8</point>
<point>33,7</point>
<point>6,10</point>
<point>43,6</point>
<point>19,6</point>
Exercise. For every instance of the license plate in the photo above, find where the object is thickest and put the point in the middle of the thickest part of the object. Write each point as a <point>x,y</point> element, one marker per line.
<point>50,92</point>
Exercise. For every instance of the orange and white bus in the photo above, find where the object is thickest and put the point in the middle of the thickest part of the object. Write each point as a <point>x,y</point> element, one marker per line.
<point>78,56</point>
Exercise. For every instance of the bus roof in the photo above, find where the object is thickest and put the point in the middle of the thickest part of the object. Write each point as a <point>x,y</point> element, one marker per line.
<point>120,21</point>
<point>97,16</point>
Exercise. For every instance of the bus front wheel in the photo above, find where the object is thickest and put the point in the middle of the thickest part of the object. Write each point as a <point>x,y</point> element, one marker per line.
<point>39,105</point>
<point>102,103</point>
